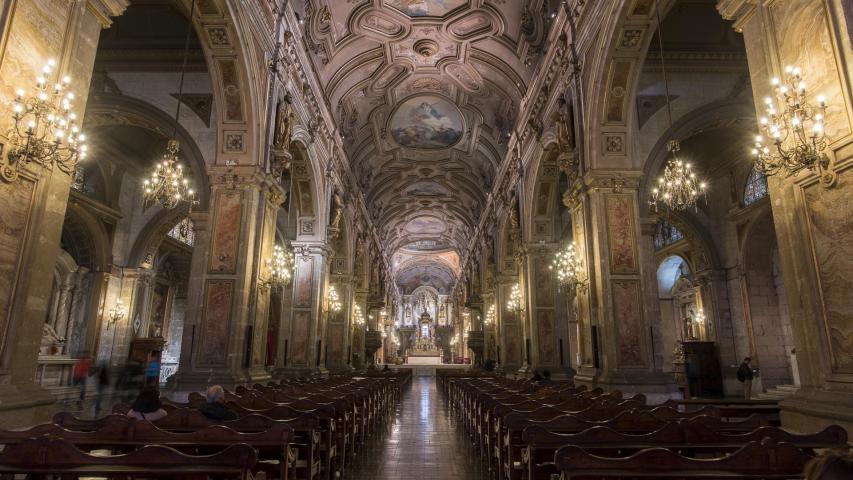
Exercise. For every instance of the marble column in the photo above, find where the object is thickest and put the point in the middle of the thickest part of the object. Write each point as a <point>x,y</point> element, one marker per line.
<point>273,195</point>
<point>338,328</point>
<point>511,339</point>
<point>304,329</point>
<point>219,339</point>
<point>32,206</point>
<point>541,302</point>
<point>811,213</point>
<point>623,291</point>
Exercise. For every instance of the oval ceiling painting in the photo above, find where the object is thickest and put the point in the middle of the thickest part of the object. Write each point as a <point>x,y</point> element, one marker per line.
<point>426,122</point>
<point>425,8</point>
<point>425,225</point>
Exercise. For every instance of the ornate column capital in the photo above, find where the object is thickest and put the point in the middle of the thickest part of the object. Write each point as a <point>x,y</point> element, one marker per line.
<point>738,11</point>
<point>104,9</point>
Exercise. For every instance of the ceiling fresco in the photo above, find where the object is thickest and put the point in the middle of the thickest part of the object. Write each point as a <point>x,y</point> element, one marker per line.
<point>425,93</point>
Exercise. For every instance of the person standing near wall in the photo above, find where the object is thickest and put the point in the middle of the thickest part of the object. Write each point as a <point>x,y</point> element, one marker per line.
<point>745,375</point>
<point>80,373</point>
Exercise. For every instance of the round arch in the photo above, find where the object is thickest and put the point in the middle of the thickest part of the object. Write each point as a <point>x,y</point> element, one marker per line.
<point>712,116</point>
<point>109,110</point>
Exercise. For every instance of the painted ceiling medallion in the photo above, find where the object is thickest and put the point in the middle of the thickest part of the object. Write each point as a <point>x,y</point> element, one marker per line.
<point>426,225</point>
<point>425,8</point>
<point>427,122</point>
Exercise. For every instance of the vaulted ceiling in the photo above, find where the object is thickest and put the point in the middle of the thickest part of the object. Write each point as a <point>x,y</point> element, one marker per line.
<point>425,93</point>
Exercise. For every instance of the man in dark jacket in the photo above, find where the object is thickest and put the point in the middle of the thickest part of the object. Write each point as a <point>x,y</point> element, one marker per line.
<point>745,376</point>
<point>215,408</point>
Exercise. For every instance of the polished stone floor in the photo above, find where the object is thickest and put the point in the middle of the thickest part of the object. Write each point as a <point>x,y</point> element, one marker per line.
<point>423,442</point>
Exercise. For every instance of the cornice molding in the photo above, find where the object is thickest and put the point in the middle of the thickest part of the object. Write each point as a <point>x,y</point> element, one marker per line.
<point>103,10</point>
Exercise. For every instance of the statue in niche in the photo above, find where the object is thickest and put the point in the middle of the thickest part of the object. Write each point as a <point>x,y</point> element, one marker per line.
<point>564,123</point>
<point>284,120</point>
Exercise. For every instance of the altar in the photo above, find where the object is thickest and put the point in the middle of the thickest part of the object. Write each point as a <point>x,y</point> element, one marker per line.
<point>424,351</point>
<point>434,359</point>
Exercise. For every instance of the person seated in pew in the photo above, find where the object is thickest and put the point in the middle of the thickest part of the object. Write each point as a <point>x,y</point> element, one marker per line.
<point>546,379</point>
<point>215,408</point>
<point>832,465</point>
<point>147,405</point>
<point>536,378</point>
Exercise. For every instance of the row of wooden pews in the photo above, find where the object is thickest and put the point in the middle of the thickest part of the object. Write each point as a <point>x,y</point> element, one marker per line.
<point>304,429</point>
<point>538,433</point>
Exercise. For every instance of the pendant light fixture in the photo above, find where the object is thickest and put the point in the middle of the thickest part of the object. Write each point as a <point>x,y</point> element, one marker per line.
<point>167,185</point>
<point>678,188</point>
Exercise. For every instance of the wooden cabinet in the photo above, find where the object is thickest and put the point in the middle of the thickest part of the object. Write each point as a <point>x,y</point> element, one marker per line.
<point>702,369</point>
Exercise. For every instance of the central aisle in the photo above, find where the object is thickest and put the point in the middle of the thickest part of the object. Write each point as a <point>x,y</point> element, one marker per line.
<point>421,443</point>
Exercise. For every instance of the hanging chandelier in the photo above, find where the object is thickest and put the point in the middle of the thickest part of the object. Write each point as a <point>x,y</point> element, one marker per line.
<point>569,268</point>
<point>679,187</point>
<point>280,267</point>
<point>334,301</point>
<point>167,186</point>
<point>515,299</point>
<point>45,130</point>
<point>795,129</point>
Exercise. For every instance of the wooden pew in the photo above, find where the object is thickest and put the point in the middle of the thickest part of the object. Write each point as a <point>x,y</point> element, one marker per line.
<point>45,456</point>
<point>306,441</point>
<point>689,439</point>
<point>766,460</point>
<point>122,436</point>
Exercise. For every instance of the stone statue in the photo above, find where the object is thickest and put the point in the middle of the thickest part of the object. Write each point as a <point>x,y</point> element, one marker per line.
<point>284,120</point>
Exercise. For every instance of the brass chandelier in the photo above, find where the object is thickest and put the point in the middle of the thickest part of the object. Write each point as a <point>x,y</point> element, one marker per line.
<point>569,268</point>
<point>167,186</point>
<point>45,130</point>
<point>279,267</point>
<point>679,187</point>
<point>795,129</point>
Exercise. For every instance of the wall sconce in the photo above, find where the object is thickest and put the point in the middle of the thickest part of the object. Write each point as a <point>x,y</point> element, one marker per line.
<point>117,313</point>
<point>334,301</point>
<point>516,300</point>
<point>45,130</point>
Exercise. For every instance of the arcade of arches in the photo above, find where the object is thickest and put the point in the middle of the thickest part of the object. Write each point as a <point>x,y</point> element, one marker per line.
<point>425,160</point>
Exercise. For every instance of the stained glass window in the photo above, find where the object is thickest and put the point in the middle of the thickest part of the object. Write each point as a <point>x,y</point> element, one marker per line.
<point>756,187</point>
<point>666,234</point>
<point>183,232</point>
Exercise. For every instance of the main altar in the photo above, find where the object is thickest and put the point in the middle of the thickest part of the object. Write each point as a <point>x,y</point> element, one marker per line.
<point>424,351</point>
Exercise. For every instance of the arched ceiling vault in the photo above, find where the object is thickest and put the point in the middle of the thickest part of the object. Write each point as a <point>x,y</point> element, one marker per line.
<point>425,93</point>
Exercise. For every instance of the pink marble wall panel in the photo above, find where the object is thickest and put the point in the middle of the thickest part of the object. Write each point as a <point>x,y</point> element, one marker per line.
<point>547,340</point>
<point>299,338</point>
<point>831,223</point>
<point>628,319</point>
<point>226,231</point>
<point>621,233</point>
<point>16,202</point>
<point>218,303</point>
